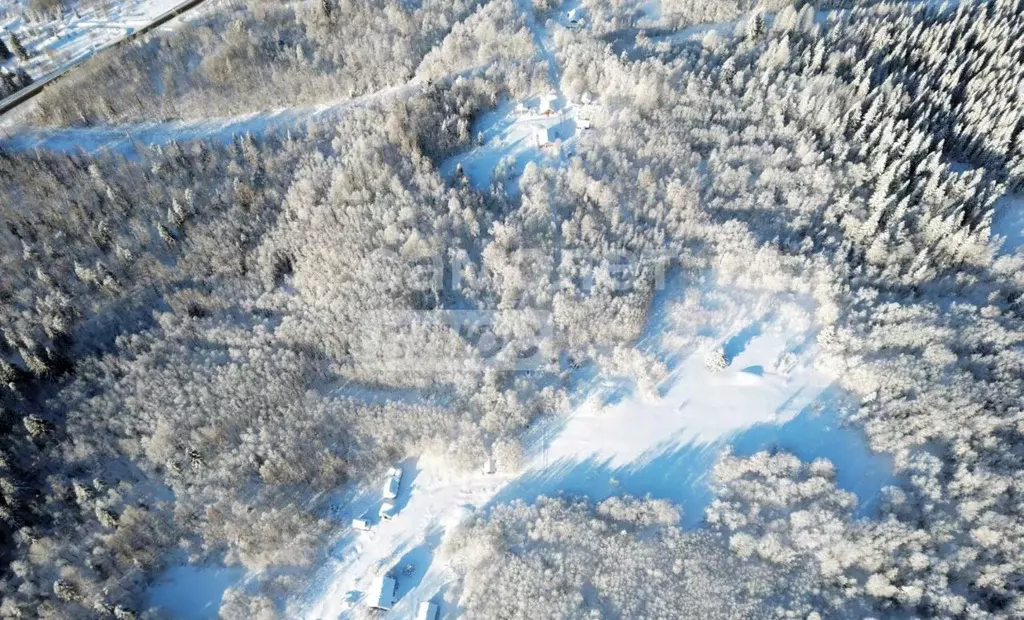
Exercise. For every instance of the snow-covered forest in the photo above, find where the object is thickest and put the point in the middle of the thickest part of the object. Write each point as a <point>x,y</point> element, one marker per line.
<point>251,262</point>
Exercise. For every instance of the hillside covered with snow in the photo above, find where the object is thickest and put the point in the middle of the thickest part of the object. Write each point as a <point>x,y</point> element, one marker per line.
<point>514,309</point>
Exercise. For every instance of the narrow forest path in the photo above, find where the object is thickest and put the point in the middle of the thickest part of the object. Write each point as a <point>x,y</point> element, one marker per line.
<point>125,137</point>
<point>542,39</point>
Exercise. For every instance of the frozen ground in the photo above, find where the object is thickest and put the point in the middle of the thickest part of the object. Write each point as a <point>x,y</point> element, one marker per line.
<point>187,592</point>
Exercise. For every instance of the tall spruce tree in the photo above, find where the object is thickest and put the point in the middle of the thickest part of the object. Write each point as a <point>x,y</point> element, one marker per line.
<point>18,48</point>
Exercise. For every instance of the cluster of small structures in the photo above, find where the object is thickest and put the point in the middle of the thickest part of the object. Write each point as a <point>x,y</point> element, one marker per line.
<point>383,594</point>
<point>387,510</point>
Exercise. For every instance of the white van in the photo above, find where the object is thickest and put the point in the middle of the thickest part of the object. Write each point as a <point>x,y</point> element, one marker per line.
<point>393,483</point>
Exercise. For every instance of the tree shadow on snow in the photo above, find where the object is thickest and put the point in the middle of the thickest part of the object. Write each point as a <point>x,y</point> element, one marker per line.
<point>738,343</point>
<point>756,370</point>
<point>679,471</point>
<point>676,474</point>
<point>413,565</point>
<point>817,432</point>
<point>192,591</point>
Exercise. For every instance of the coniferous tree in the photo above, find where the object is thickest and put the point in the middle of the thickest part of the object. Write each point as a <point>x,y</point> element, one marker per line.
<point>18,48</point>
<point>22,78</point>
<point>755,26</point>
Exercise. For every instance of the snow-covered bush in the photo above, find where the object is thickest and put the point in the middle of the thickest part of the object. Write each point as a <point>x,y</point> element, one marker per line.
<point>714,359</point>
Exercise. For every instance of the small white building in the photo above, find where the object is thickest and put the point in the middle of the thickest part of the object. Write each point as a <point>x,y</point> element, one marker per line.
<point>427,610</point>
<point>387,511</point>
<point>583,123</point>
<point>361,523</point>
<point>576,14</point>
<point>382,593</point>
<point>548,135</point>
<point>540,136</point>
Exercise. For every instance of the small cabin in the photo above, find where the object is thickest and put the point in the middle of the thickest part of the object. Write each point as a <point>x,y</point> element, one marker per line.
<point>382,592</point>
<point>547,104</point>
<point>387,511</point>
<point>427,610</point>
<point>583,123</point>
<point>361,524</point>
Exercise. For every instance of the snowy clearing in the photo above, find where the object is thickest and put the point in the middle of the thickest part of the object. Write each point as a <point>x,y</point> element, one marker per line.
<point>188,592</point>
<point>515,134</point>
